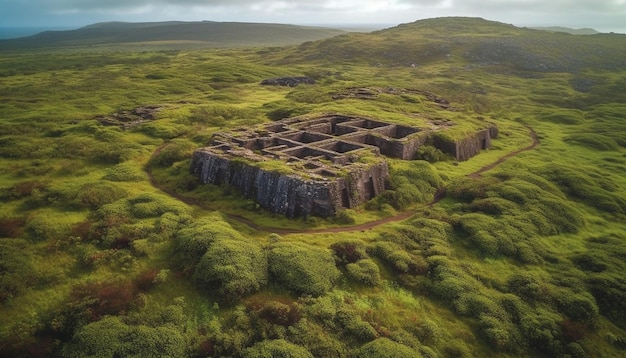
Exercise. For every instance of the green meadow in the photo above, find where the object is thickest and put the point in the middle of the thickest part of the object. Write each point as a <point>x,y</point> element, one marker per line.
<point>109,247</point>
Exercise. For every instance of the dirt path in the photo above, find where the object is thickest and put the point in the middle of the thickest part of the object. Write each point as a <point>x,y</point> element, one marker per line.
<point>535,142</point>
<point>439,195</point>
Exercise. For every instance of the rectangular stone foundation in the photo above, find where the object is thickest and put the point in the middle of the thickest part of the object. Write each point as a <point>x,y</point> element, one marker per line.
<point>301,167</point>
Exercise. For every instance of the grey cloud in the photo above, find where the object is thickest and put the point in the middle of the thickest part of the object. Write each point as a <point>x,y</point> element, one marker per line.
<point>603,14</point>
<point>528,5</point>
<point>89,5</point>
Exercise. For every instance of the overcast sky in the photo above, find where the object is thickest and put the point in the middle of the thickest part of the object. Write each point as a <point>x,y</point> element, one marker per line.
<point>603,15</point>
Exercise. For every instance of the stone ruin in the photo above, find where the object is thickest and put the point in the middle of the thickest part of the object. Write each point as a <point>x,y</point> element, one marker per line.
<point>288,81</point>
<point>130,118</point>
<point>301,167</point>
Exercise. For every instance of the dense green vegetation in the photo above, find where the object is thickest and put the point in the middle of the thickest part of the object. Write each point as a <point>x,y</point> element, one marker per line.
<point>109,247</point>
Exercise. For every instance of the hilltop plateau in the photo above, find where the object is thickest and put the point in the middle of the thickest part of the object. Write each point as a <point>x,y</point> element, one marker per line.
<point>111,246</point>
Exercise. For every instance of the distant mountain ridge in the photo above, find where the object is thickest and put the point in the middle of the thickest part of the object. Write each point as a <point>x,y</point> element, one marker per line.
<point>206,33</point>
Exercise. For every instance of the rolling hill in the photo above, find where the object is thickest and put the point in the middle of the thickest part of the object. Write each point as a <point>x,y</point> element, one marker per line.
<point>202,34</point>
<point>109,246</point>
<point>470,41</point>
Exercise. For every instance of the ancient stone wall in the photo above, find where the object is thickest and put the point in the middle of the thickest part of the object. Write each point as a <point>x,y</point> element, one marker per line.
<point>301,167</point>
<point>466,148</point>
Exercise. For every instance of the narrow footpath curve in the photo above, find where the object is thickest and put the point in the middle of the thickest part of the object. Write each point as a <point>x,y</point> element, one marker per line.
<point>439,195</point>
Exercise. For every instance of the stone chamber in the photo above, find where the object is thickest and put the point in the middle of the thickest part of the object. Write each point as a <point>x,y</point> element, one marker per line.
<point>317,166</point>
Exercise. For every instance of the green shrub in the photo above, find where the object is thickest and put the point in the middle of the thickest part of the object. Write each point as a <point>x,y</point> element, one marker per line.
<point>276,348</point>
<point>162,129</point>
<point>609,291</point>
<point>593,261</point>
<point>317,339</point>
<point>473,304</point>
<point>578,307</point>
<point>41,228</point>
<point>386,348</point>
<point>542,331</point>
<point>346,216</point>
<point>431,154</point>
<point>527,286</point>
<point>449,283</point>
<point>234,268</point>
<point>364,271</point>
<point>593,141</point>
<point>305,269</point>
<point>193,240</point>
<point>354,325</point>
<point>500,333</point>
<point>468,189</point>
<point>493,206</point>
<point>219,115</point>
<point>349,251</point>
<point>154,205</point>
<point>96,194</point>
<point>564,117</point>
<point>393,254</point>
<point>124,172</point>
<point>174,152</point>
<point>412,182</point>
<point>563,216</point>
<point>16,269</point>
<point>589,187</point>
<point>110,337</point>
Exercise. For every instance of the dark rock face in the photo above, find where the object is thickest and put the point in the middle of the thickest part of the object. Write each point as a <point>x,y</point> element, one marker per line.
<point>291,195</point>
<point>288,81</point>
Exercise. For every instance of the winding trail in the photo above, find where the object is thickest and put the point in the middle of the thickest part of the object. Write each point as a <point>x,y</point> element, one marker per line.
<point>439,195</point>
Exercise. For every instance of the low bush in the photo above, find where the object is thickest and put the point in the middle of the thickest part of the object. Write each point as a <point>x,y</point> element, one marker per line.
<point>276,348</point>
<point>386,348</point>
<point>593,141</point>
<point>233,268</point>
<point>431,154</point>
<point>154,205</point>
<point>96,194</point>
<point>111,337</point>
<point>42,228</point>
<point>174,152</point>
<point>564,117</point>
<point>305,269</point>
<point>353,325</point>
<point>393,254</point>
<point>124,172</point>
<point>349,251</point>
<point>364,271</point>
<point>609,291</point>
<point>16,269</point>
<point>192,241</point>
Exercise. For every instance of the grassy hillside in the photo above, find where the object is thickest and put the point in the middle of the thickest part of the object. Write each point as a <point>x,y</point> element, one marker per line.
<point>174,34</point>
<point>109,247</point>
<point>470,42</point>
<point>585,31</point>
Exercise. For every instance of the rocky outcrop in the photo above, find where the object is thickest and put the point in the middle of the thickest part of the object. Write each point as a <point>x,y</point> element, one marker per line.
<point>130,118</point>
<point>374,92</point>
<point>288,81</point>
<point>291,195</point>
<point>316,166</point>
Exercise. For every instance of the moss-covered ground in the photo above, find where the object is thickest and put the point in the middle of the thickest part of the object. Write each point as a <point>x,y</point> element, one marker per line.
<point>526,259</point>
